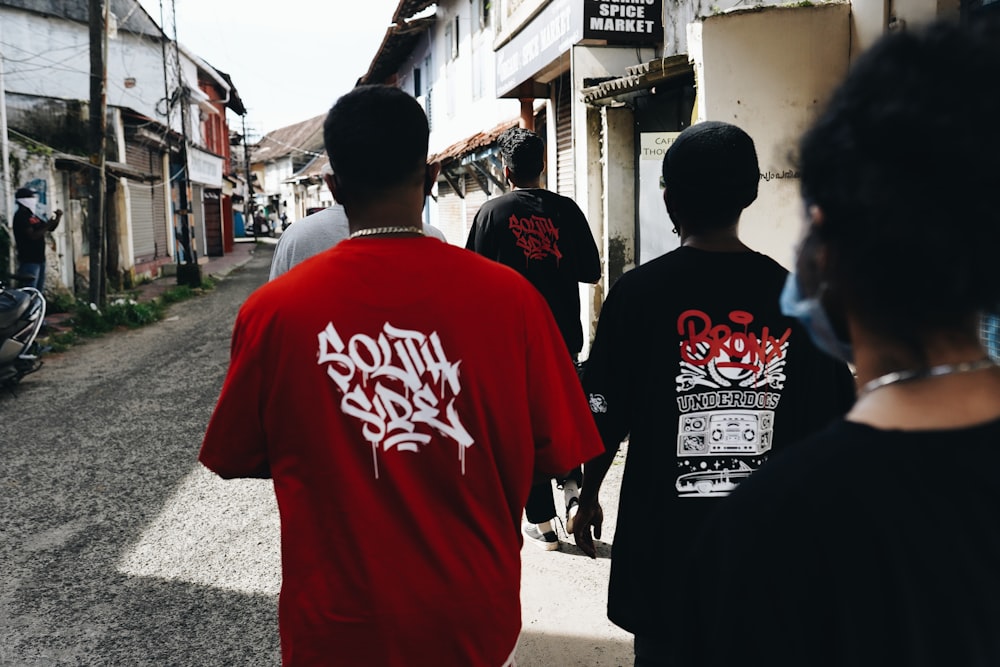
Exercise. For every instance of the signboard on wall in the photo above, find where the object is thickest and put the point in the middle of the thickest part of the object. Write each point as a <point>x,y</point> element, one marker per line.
<point>623,21</point>
<point>204,167</point>
<point>514,14</point>
<point>656,235</point>
<point>549,35</point>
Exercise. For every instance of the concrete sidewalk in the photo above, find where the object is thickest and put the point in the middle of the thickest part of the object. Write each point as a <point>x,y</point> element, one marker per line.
<point>216,267</point>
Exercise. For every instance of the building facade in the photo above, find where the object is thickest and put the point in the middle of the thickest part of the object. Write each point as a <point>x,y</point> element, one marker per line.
<point>166,126</point>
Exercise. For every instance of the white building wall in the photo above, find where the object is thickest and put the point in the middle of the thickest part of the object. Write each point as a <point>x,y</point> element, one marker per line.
<point>770,71</point>
<point>61,69</point>
<point>460,108</point>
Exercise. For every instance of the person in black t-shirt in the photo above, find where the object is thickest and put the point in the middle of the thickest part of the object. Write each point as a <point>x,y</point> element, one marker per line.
<point>877,541</point>
<point>544,237</point>
<point>694,362</point>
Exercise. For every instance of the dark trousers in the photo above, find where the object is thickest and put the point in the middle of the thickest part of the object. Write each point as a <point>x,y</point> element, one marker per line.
<point>540,506</point>
<point>652,651</point>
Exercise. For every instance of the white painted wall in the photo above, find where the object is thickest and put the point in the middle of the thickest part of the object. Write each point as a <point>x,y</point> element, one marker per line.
<point>458,113</point>
<point>49,57</point>
<point>769,71</point>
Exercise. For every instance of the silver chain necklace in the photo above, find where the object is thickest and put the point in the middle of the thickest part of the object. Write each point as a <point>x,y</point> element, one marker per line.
<point>934,371</point>
<point>383,231</point>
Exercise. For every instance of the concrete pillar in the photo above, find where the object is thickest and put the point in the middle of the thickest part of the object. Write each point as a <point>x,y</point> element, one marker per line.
<point>527,113</point>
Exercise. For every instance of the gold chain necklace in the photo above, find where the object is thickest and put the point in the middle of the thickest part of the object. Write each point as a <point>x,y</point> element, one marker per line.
<point>383,231</point>
<point>933,371</point>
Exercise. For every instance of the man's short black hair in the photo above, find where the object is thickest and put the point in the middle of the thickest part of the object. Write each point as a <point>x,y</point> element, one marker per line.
<point>711,174</point>
<point>376,138</point>
<point>523,152</point>
<point>904,164</point>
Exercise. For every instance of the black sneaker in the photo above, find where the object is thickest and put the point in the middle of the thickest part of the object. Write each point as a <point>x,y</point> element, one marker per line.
<point>543,540</point>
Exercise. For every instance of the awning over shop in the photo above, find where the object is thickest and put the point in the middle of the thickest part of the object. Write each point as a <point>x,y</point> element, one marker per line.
<point>638,80</point>
<point>68,162</point>
<point>476,155</point>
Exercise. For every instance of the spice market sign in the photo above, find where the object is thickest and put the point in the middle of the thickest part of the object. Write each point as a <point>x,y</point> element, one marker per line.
<point>623,21</point>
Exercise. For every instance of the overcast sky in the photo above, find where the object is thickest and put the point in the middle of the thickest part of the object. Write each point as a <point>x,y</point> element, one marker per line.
<point>289,59</point>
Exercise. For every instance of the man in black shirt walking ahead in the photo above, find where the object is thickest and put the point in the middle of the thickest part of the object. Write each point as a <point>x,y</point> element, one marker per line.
<point>546,238</point>
<point>694,362</point>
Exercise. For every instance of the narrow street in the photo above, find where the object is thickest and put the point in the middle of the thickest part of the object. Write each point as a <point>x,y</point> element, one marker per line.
<point>118,548</point>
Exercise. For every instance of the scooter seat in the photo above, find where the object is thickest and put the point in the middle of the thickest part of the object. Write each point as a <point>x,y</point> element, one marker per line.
<point>12,306</point>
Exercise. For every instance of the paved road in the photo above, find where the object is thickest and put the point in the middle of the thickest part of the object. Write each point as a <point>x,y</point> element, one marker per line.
<point>117,548</point>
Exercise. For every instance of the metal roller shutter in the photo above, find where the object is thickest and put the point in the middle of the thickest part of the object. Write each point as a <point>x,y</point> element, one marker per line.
<point>474,198</point>
<point>565,181</point>
<point>141,197</point>
<point>450,215</point>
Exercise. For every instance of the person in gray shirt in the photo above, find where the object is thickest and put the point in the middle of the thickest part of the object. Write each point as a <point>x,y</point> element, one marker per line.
<point>317,232</point>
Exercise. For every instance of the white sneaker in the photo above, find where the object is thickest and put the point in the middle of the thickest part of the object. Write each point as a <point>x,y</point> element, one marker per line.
<point>542,536</point>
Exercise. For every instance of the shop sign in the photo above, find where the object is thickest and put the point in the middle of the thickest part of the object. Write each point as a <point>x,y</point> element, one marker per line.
<point>623,21</point>
<point>204,167</point>
<point>549,35</point>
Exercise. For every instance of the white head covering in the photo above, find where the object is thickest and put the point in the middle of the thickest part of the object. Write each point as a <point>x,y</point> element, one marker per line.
<point>27,198</point>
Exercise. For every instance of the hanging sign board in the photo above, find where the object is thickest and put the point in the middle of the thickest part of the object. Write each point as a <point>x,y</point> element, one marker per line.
<point>550,34</point>
<point>623,21</point>
<point>204,167</point>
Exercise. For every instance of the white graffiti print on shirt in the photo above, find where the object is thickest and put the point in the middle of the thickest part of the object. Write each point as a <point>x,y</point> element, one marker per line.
<point>393,382</point>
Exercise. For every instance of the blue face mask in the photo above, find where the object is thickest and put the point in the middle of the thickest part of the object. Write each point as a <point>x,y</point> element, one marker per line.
<point>989,333</point>
<point>811,314</point>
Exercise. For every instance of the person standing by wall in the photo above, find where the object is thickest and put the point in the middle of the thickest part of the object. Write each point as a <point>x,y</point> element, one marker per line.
<point>695,363</point>
<point>29,236</point>
<point>406,393</point>
<point>544,237</point>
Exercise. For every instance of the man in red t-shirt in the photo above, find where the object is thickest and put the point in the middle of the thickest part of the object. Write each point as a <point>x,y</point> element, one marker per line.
<point>404,394</point>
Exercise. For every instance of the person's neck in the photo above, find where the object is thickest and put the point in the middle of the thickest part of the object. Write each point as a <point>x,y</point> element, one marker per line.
<point>961,395</point>
<point>390,210</point>
<point>716,240</point>
<point>527,185</point>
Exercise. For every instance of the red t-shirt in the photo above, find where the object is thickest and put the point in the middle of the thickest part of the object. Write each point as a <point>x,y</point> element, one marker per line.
<point>400,392</point>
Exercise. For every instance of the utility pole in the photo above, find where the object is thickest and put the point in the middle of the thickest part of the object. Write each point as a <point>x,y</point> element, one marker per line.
<point>188,273</point>
<point>251,204</point>
<point>8,178</point>
<point>98,19</point>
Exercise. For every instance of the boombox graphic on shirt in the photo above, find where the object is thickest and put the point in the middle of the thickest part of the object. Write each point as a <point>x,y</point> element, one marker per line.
<point>729,383</point>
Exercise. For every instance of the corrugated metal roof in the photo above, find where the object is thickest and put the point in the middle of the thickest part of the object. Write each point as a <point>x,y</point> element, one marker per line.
<point>129,13</point>
<point>638,77</point>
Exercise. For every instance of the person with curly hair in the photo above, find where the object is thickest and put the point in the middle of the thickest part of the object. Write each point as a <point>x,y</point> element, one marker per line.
<point>876,541</point>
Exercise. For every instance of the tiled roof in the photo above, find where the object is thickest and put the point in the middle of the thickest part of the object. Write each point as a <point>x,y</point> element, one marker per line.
<point>472,144</point>
<point>396,47</point>
<point>305,138</point>
<point>407,9</point>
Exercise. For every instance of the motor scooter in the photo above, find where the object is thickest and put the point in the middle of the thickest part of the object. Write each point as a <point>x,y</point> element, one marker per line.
<point>22,311</point>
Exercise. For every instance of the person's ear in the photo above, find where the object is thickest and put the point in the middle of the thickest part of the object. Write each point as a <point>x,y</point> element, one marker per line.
<point>332,184</point>
<point>430,177</point>
<point>506,174</point>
